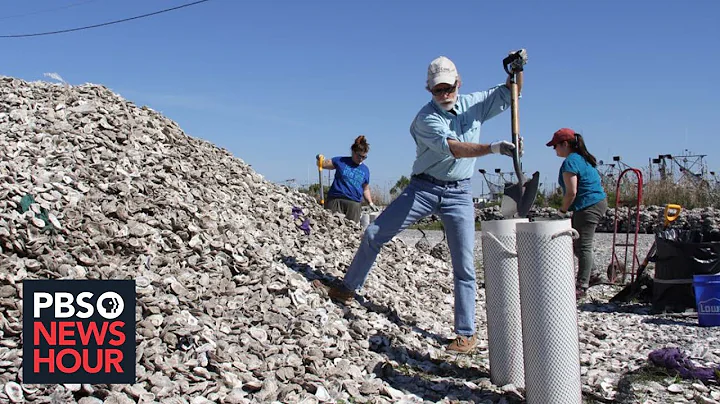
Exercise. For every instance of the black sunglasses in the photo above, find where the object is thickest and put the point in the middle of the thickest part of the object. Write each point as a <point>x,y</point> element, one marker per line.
<point>361,156</point>
<point>441,91</point>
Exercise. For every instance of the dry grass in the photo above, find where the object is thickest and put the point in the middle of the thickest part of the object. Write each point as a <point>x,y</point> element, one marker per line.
<point>688,196</point>
<point>658,193</point>
<point>379,197</point>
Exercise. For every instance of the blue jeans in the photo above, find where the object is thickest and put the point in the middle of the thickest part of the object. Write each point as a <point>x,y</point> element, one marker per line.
<point>453,204</point>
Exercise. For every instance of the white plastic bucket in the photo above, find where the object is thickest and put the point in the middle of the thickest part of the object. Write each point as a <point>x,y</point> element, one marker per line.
<point>364,221</point>
<point>373,216</point>
<point>549,312</point>
<point>502,295</point>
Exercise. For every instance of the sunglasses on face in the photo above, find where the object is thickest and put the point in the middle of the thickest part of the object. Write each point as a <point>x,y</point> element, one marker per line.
<point>558,144</point>
<point>440,91</point>
<point>361,156</point>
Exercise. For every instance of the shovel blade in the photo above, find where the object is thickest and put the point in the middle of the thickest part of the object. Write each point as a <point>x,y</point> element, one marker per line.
<point>511,197</point>
<point>529,195</point>
<point>519,198</point>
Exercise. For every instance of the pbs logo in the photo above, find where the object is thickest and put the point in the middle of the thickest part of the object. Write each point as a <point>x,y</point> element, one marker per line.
<point>109,305</point>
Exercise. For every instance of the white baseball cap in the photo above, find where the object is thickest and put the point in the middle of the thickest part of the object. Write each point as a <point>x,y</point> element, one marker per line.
<point>441,70</point>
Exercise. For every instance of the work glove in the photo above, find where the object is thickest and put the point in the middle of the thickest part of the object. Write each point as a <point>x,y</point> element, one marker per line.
<point>517,65</point>
<point>374,208</point>
<point>505,147</point>
<point>560,215</point>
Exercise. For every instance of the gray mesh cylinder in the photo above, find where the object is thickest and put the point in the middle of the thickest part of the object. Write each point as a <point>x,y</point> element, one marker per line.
<point>502,295</point>
<point>549,312</point>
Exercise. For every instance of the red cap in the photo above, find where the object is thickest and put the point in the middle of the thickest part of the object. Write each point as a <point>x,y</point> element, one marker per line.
<point>561,136</point>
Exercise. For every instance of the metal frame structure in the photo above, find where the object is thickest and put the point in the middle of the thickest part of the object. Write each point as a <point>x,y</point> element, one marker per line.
<point>291,183</point>
<point>715,179</point>
<point>607,173</point>
<point>495,183</point>
<point>635,261</point>
<point>684,168</point>
<point>611,171</point>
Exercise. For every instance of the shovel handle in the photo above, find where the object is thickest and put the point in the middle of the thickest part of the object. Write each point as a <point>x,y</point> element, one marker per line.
<point>514,96</point>
<point>672,212</point>
<point>320,161</point>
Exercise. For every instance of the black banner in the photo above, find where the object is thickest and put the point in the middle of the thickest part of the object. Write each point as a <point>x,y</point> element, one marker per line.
<point>79,331</point>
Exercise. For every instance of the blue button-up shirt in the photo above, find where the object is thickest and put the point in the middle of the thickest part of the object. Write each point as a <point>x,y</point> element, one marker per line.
<point>433,126</point>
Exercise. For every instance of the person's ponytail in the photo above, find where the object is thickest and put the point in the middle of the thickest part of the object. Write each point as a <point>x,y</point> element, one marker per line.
<point>579,147</point>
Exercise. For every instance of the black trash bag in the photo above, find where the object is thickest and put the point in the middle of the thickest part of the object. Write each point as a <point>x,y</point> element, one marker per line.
<point>680,255</point>
<point>640,290</point>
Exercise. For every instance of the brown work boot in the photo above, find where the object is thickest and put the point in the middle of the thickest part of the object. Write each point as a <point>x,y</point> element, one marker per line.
<point>338,293</point>
<point>462,344</point>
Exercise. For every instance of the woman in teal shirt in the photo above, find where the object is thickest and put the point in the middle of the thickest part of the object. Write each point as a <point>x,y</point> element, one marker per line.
<point>583,194</point>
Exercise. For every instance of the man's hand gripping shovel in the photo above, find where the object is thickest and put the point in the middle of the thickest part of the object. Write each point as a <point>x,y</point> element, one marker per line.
<point>517,198</point>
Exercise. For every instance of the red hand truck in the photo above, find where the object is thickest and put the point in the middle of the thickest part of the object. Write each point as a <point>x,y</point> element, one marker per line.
<point>617,266</point>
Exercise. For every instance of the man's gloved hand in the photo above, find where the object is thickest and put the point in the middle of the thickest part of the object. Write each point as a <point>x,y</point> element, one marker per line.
<point>517,65</point>
<point>505,147</point>
<point>374,208</point>
<point>560,215</point>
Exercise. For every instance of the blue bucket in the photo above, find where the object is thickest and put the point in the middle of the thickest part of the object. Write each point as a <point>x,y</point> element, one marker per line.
<point>707,296</point>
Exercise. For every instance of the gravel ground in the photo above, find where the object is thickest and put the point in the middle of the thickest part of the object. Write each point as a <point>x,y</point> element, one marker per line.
<point>602,249</point>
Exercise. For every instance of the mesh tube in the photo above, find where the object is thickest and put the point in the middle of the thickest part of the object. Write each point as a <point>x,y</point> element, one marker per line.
<point>549,312</point>
<point>502,295</point>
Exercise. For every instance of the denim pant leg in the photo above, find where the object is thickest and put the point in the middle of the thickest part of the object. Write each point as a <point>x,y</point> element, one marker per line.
<point>585,222</point>
<point>415,202</point>
<point>458,216</point>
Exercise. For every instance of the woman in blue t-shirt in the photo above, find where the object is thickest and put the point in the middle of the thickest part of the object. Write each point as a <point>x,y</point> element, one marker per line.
<point>351,183</point>
<point>583,194</point>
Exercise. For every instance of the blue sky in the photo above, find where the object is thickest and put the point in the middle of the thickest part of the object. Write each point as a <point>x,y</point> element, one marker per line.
<point>276,82</point>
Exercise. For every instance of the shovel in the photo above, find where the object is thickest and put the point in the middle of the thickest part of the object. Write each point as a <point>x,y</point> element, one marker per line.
<point>517,198</point>
<point>320,159</point>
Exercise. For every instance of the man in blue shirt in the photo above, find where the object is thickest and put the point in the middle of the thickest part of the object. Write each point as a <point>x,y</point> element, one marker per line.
<point>446,132</point>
